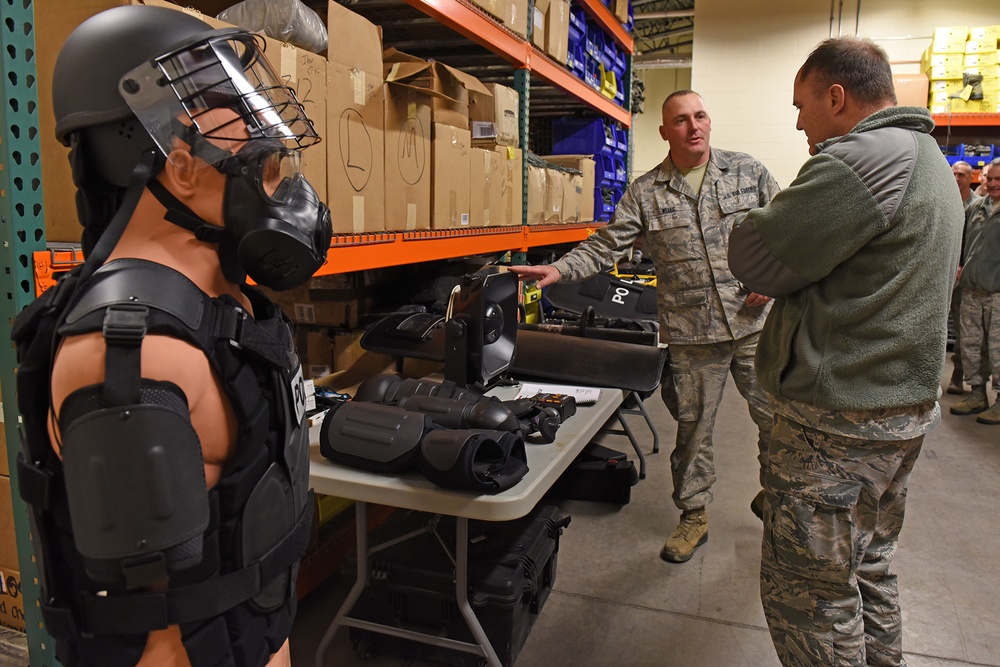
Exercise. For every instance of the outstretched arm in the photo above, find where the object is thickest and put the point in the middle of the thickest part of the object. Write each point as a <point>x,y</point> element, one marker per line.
<point>544,274</point>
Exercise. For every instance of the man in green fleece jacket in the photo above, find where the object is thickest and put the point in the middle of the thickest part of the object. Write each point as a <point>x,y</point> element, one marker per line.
<point>860,253</point>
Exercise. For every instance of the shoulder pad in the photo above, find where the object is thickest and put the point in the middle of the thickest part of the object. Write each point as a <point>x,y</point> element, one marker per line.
<point>145,283</point>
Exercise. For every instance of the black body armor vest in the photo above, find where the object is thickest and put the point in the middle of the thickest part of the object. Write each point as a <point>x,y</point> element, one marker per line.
<point>231,583</point>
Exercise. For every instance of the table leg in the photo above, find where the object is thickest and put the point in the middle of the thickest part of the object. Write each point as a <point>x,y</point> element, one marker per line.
<point>361,531</point>
<point>462,590</point>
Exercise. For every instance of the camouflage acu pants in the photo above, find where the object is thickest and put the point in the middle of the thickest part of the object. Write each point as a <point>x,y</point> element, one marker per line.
<point>980,324</point>
<point>692,390</point>
<point>832,518</point>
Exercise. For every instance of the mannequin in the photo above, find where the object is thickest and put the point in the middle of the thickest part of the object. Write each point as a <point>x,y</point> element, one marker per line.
<point>80,359</point>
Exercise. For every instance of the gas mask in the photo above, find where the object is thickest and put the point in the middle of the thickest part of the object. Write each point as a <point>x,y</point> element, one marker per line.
<point>217,94</point>
<point>276,228</point>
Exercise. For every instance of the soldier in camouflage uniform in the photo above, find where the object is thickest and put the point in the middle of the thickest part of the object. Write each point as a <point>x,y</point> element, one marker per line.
<point>979,314</point>
<point>685,210</point>
<point>860,253</point>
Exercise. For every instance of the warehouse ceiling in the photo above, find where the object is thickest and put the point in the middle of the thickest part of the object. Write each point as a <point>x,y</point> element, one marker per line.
<point>663,32</point>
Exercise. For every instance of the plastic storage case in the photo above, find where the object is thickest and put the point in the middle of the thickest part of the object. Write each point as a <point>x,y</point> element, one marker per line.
<point>512,567</point>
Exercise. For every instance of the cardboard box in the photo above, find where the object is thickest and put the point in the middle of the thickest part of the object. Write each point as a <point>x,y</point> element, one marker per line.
<point>485,202</point>
<point>557,31</point>
<point>494,117</point>
<point>315,349</point>
<point>514,15</point>
<point>450,158</point>
<point>539,14</point>
<point>348,355</point>
<point>305,73</point>
<point>11,601</point>
<point>911,89</point>
<point>981,59</point>
<point>579,199</point>
<point>985,33</point>
<point>54,21</point>
<point>537,189</point>
<point>448,87</point>
<point>489,6</point>
<point>950,40</point>
<point>355,137</point>
<point>620,9</point>
<point>4,469</point>
<point>511,187</point>
<point>984,45</point>
<point>555,183</point>
<point>407,158</point>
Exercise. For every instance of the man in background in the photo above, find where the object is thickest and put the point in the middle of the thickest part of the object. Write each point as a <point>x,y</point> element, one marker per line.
<point>963,178</point>
<point>685,210</point>
<point>979,281</point>
<point>860,253</point>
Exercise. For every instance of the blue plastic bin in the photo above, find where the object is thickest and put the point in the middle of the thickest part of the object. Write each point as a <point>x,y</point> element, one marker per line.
<point>582,136</point>
<point>577,23</point>
<point>608,54</point>
<point>576,59</point>
<point>594,40</point>
<point>604,203</point>
<point>592,72</point>
<point>621,140</point>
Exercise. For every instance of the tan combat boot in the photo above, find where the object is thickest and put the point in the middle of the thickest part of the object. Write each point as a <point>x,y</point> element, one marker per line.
<point>691,533</point>
<point>974,403</point>
<point>955,386</point>
<point>991,416</point>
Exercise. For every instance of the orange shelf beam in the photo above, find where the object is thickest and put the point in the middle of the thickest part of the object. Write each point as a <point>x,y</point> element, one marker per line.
<point>357,252</point>
<point>607,20</point>
<point>478,27</point>
<point>966,119</point>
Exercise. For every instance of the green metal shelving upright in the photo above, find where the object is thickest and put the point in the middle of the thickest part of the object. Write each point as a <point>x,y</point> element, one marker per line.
<point>22,231</point>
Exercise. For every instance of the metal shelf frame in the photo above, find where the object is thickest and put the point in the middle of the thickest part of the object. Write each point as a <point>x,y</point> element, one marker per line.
<point>22,232</point>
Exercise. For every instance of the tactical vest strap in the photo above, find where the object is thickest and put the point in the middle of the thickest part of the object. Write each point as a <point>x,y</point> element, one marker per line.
<point>143,612</point>
<point>124,328</point>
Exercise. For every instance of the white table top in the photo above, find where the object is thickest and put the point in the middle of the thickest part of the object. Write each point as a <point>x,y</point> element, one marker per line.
<point>546,462</point>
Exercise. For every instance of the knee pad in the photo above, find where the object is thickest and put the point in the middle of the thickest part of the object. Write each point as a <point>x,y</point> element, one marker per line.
<point>483,413</point>
<point>371,436</point>
<point>475,460</point>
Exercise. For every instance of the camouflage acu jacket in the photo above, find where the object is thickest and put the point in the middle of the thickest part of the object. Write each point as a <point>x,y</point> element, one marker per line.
<point>687,237</point>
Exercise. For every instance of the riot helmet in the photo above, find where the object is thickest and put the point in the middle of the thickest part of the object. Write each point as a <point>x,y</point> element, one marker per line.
<point>136,79</point>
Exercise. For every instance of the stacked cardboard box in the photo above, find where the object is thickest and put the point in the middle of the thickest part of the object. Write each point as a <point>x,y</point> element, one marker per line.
<point>954,54</point>
<point>11,601</point>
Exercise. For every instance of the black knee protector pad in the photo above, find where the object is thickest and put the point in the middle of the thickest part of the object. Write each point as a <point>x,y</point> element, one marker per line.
<point>135,481</point>
<point>371,436</point>
<point>475,460</point>
<point>484,413</point>
<point>389,389</point>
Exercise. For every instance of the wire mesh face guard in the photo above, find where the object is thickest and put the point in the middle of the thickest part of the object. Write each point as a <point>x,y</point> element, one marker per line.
<point>222,69</point>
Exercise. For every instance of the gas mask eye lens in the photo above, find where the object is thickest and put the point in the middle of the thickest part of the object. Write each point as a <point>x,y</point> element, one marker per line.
<point>277,172</point>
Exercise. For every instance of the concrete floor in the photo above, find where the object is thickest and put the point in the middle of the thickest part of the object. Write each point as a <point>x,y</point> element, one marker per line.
<point>616,604</point>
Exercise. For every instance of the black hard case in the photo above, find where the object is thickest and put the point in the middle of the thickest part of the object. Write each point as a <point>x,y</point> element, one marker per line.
<point>512,567</point>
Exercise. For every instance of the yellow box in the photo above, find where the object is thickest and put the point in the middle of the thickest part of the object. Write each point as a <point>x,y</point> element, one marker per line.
<point>950,85</point>
<point>981,45</point>
<point>945,71</point>
<point>981,59</point>
<point>950,40</point>
<point>985,32</point>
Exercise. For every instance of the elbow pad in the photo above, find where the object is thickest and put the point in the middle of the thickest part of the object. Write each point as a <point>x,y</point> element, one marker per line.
<point>135,482</point>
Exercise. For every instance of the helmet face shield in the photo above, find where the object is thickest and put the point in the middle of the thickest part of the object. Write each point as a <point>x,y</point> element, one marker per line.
<point>221,87</point>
